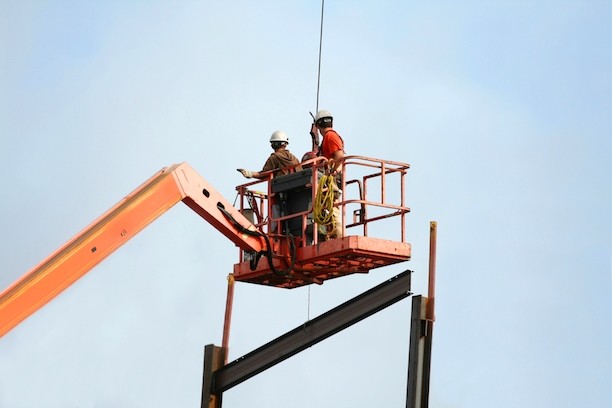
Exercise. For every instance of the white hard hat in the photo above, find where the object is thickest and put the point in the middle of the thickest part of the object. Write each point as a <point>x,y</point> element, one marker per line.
<point>322,114</point>
<point>279,136</point>
<point>323,117</point>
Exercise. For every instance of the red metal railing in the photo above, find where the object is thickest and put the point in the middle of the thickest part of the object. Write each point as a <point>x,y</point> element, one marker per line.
<point>372,190</point>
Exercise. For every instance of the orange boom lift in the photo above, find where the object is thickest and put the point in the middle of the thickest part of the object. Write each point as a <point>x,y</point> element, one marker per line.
<point>284,248</point>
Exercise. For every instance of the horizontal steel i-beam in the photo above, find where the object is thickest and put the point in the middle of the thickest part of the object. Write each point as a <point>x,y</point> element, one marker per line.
<point>312,332</point>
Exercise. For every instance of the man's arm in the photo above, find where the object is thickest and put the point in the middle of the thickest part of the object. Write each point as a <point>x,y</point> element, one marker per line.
<point>251,174</point>
<point>336,161</point>
<point>314,137</point>
<point>270,164</point>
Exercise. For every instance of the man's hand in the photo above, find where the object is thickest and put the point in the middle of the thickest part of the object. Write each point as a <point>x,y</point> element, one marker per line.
<point>246,173</point>
<point>313,130</point>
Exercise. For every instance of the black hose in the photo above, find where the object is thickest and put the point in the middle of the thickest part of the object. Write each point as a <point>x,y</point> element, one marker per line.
<point>268,251</point>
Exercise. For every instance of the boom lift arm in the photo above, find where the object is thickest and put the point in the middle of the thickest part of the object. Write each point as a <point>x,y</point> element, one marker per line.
<point>144,205</point>
<point>294,258</point>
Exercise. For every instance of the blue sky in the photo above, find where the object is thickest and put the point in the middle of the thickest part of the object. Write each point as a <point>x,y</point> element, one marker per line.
<point>501,108</point>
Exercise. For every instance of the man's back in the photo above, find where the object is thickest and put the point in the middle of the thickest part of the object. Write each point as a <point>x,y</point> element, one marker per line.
<point>280,160</point>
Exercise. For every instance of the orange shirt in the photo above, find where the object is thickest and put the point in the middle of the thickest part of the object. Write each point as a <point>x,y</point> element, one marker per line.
<point>332,142</point>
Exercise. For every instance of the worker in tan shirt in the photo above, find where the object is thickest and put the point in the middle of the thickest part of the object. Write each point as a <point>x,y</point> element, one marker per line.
<point>279,160</point>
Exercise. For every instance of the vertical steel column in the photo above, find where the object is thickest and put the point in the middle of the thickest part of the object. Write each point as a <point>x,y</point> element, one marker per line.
<point>421,333</point>
<point>433,237</point>
<point>418,373</point>
<point>228,315</point>
<point>213,360</point>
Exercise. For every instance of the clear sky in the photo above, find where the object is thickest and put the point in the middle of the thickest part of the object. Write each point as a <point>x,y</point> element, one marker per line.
<point>503,109</point>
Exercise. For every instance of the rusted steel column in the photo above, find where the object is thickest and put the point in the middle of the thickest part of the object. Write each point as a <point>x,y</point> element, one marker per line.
<point>419,363</point>
<point>433,236</point>
<point>213,360</point>
<point>421,335</point>
<point>228,315</point>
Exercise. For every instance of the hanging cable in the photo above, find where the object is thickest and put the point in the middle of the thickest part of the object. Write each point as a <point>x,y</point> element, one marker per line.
<point>320,48</point>
<point>317,105</point>
<point>308,309</point>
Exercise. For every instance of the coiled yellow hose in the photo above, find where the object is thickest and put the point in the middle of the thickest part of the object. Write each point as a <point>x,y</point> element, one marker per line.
<point>322,211</point>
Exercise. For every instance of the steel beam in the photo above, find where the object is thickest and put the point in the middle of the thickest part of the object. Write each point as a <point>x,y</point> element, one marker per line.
<point>421,334</point>
<point>312,332</point>
<point>214,358</point>
<point>419,365</point>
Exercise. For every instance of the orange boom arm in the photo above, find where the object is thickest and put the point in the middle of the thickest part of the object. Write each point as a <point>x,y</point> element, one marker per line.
<point>144,205</point>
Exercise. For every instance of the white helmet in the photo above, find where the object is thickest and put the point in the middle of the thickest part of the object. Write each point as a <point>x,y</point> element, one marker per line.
<point>279,136</point>
<point>323,117</point>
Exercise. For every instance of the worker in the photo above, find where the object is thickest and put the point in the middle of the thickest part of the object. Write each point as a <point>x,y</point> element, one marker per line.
<point>332,146</point>
<point>280,161</point>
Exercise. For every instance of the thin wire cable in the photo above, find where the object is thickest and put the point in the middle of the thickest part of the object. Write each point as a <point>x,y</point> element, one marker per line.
<point>320,49</point>
<point>308,313</point>
<point>317,108</point>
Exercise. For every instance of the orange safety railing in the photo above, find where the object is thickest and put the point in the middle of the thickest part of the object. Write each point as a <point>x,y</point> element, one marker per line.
<point>371,190</point>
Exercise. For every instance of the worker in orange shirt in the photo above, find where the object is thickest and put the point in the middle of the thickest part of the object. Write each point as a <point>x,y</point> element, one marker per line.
<point>332,146</point>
